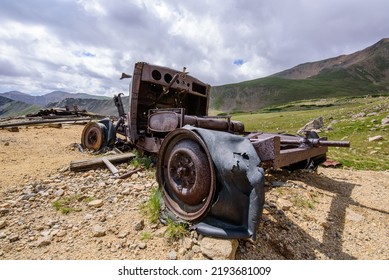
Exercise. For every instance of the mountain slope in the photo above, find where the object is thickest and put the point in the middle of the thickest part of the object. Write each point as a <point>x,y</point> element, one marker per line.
<point>361,73</point>
<point>11,108</point>
<point>371,63</point>
<point>42,100</point>
<point>103,107</point>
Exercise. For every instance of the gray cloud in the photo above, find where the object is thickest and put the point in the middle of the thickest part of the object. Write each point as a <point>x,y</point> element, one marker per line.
<point>84,45</point>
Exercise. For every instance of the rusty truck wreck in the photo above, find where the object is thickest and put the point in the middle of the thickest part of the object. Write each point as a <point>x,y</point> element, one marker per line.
<point>210,170</point>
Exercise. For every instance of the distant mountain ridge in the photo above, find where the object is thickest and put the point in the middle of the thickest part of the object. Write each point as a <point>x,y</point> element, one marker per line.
<point>11,108</point>
<point>361,73</point>
<point>54,96</point>
<point>374,59</point>
<point>104,107</point>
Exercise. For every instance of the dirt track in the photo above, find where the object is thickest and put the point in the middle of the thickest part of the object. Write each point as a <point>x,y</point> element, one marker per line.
<point>332,214</point>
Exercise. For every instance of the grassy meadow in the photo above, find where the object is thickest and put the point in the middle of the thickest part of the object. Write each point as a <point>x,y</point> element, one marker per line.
<point>340,114</point>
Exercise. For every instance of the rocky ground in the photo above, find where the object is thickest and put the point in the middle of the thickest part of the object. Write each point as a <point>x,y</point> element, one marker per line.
<point>48,212</point>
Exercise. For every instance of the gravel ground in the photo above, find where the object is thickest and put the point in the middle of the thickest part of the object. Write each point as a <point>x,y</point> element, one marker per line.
<point>330,214</point>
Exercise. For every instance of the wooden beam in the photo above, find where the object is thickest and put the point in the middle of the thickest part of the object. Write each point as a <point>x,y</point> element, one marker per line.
<point>92,163</point>
<point>110,166</point>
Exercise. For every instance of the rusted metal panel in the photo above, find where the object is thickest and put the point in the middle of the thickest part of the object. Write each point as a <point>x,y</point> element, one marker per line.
<point>149,144</point>
<point>294,155</point>
<point>267,149</point>
<point>169,77</point>
<point>280,150</point>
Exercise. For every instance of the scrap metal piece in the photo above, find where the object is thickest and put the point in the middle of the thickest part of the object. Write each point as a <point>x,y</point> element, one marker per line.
<point>93,135</point>
<point>98,135</point>
<point>212,178</point>
<point>240,193</point>
<point>331,163</point>
<point>125,76</point>
<point>45,121</point>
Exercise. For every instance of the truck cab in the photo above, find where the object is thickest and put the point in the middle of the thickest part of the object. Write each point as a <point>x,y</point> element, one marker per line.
<point>159,98</point>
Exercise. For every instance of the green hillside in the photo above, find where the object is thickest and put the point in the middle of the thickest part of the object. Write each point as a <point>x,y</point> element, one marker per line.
<point>363,73</point>
<point>351,119</point>
<point>11,108</point>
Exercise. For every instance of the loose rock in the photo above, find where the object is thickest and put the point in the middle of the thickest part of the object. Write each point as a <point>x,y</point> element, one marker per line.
<point>13,238</point>
<point>359,115</point>
<point>43,241</point>
<point>139,225</point>
<point>376,138</point>
<point>3,224</point>
<point>314,125</point>
<point>123,233</point>
<point>385,121</point>
<point>187,243</point>
<point>96,203</point>
<point>98,231</point>
<point>219,249</point>
<point>172,255</point>
<point>353,216</point>
<point>284,204</point>
<point>59,192</point>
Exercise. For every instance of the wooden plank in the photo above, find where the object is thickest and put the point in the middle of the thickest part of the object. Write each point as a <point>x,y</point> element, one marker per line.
<point>110,166</point>
<point>129,174</point>
<point>87,164</point>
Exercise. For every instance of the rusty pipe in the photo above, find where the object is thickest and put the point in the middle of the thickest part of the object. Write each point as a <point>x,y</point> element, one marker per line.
<point>316,142</point>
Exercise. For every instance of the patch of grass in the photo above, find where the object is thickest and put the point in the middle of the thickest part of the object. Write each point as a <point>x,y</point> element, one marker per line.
<point>141,160</point>
<point>153,206</point>
<point>89,199</point>
<point>280,191</point>
<point>302,202</point>
<point>64,205</point>
<point>146,236</point>
<point>176,231</point>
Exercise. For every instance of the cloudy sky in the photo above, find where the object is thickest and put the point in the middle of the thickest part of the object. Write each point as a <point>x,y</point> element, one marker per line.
<point>85,45</point>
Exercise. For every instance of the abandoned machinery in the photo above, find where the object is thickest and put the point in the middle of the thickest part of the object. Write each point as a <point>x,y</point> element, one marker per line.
<point>210,171</point>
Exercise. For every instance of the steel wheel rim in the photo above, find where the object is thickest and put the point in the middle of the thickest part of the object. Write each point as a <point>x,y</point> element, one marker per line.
<point>185,174</point>
<point>92,136</point>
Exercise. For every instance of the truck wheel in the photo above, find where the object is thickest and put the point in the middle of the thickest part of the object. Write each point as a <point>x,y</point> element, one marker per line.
<point>93,136</point>
<point>185,174</point>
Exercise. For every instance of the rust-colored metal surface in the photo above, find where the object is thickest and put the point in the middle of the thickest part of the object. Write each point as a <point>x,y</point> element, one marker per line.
<point>168,120</point>
<point>280,150</point>
<point>186,175</point>
<point>92,136</point>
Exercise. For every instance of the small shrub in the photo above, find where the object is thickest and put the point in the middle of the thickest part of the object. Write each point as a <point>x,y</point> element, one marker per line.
<point>142,160</point>
<point>303,202</point>
<point>152,207</point>
<point>89,199</point>
<point>176,230</point>
<point>146,236</point>
<point>64,205</point>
